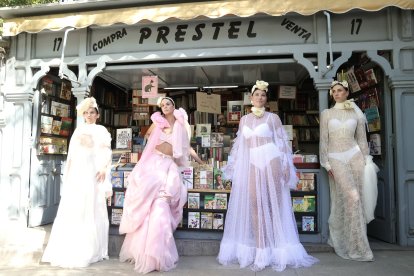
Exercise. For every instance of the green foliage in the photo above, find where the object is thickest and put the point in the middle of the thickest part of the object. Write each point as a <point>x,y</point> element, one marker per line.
<point>13,3</point>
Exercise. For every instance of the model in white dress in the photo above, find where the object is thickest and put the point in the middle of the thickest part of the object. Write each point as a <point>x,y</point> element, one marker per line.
<point>79,234</point>
<point>260,228</point>
<point>343,148</point>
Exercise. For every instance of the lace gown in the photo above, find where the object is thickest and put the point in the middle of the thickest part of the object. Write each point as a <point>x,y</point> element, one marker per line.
<point>343,146</point>
<point>260,229</point>
<point>79,234</point>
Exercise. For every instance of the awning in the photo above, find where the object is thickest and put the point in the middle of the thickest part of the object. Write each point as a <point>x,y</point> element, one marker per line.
<point>186,11</point>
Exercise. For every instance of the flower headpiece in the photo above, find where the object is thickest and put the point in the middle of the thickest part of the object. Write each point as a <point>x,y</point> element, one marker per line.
<point>262,85</point>
<point>343,83</point>
<point>85,104</point>
<point>162,98</point>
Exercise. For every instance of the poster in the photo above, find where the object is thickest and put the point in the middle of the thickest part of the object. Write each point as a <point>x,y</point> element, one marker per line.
<point>210,103</point>
<point>149,86</point>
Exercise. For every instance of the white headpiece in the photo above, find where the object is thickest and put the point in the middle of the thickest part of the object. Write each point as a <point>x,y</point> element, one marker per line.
<point>87,103</point>
<point>162,98</point>
<point>343,83</point>
<point>262,85</point>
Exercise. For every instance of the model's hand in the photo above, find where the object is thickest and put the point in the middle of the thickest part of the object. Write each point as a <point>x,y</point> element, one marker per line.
<point>100,176</point>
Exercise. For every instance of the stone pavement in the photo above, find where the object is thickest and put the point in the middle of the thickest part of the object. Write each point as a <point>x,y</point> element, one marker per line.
<point>21,250</point>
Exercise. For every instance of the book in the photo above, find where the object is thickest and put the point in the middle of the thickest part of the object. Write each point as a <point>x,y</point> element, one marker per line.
<point>59,109</point>
<point>298,204</point>
<point>221,201</point>
<point>56,127</point>
<point>119,199</point>
<point>209,202</point>
<point>308,223</point>
<point>117,182</point>
<point>45,106</point>
<point>217,139</point>
<point>373,119</point>
<point>65,90</point>
<point>206,220</point>
<point>218,180</point>
<point>126,175</point>
<point>47,85</point>
<point>46,123</point>
<point>65,126</point>
<point>218,221</point>
<point>375,144</point>
<point>123,138</point>
<point>187,177</point>
<point>370,77</point>
<point>193,219</point>
<point>116,216</point>
<point>352,80</point>
<point>203,129</point>
<point>205,140</point>
<point>309,203</point>
<point>193,200</point>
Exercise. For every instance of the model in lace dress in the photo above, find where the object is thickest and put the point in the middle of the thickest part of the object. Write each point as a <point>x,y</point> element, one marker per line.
<point>79,234</point>
<point>260,228</point>
<point>343,149</point>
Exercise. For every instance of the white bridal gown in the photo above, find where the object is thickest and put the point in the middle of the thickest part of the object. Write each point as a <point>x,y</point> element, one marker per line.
<point>80,231</point>
<point>343,147</point>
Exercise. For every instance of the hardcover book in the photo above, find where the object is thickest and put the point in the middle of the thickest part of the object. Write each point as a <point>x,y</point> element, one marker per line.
<point>126,175</point>
<point>65,90</point>
<point>203,129</point>
<point>119,199</point>
<point>116,215</point>
<point>298,204</point>
<point>193,200</point>
<point>309,203</point>
<point>373,119</point>
<point>193,219</point>
<point>209,202</point>
<point>46,123</point>
<point>65,126</point>
<point>308,223</point>
<point>123,138</point>
<point>221,201</point>
<point>56,127</point>
<point>187,177</point>
<point>218,221</point>
<point>206,220</point>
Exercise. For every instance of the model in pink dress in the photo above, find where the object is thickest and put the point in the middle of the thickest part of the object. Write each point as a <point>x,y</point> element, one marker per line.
<point>155,196</point>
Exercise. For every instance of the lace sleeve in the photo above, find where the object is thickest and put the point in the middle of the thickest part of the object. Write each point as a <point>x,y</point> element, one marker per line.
<point>324,140</point>
<point>361,137</point>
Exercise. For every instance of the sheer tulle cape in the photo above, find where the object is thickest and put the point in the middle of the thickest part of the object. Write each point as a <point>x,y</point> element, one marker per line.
<point>80,231</point>
<point>260,228</point>
<point>154,201</point>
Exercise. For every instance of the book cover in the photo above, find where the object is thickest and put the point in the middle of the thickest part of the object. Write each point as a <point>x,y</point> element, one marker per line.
<point>117,182</point>
<point>298,204</point>
<point>217,139</point>
<point>46,123</point>
<point>209,202</point>
<point>123,138</point>
<point>53,145</point>
<point>375,144</point>
<point>193,200</point>
<point>119,199</point>
<point>221,201</point>
<point>218,183</point>
<point>203,129</point>
<point>59,109</point>
<point>206,220</point>
<point>56,127</point>
<point>187,177</point>
<point>45,106</point>
<point>126,175</point>
<point>308,223</point>
<point>370,77</point>
<point>373,119</point>
<point>47,85</point>
<point>65,126</point>
<point>218,221</point>
<point>309,203</point>
<point>352,80</point>
<point>65,90</point>
<point>116,215</point>
<point>205,140</point>
<point>193,219</point>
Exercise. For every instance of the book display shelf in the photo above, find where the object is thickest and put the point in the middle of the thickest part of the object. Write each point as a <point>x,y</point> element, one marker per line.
<point>57,116</point>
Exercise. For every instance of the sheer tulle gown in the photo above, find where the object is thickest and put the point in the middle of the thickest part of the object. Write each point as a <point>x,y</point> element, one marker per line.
<point>260,228</point>
<point>79,234</point>
<point>343,146</point>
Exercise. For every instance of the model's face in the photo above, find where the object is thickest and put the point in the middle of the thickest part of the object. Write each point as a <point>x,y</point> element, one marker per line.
<point>91,115</point>
<point>167,106</point>
<point>259,98</point>
<point>339,93</point>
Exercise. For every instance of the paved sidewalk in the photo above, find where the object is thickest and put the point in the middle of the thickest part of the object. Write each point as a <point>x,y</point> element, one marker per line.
<point>387,263</point>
